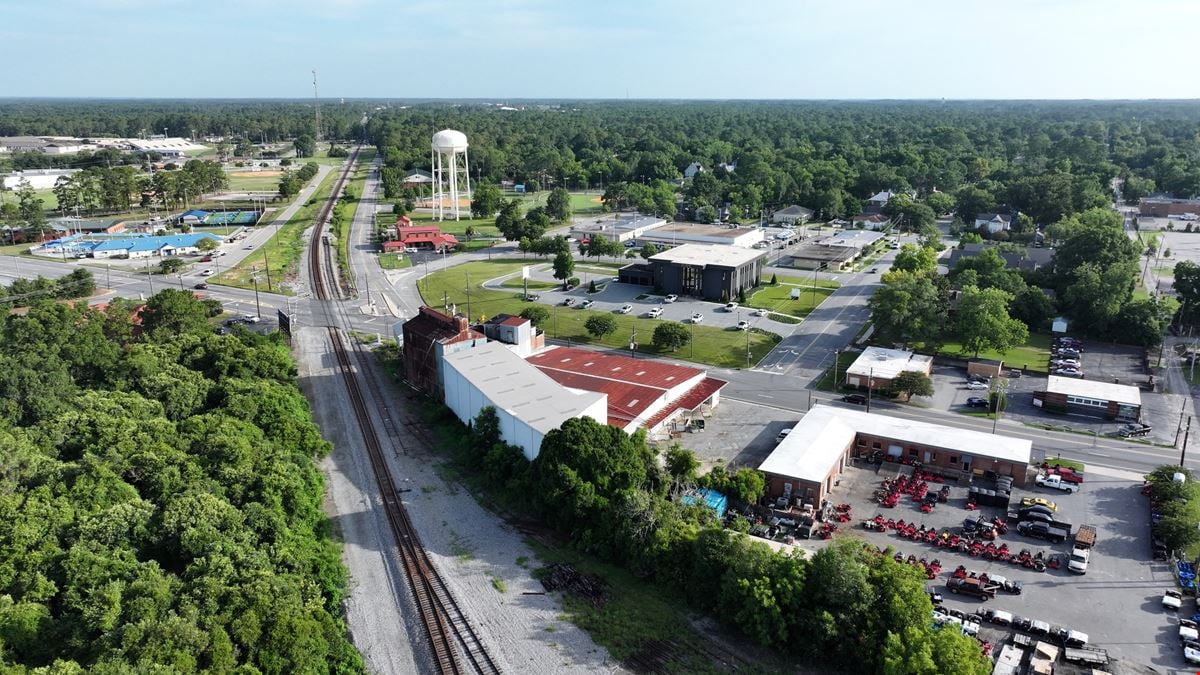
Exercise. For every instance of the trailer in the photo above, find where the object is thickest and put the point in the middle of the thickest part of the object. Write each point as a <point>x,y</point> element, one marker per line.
<point>1085,536</point>
<point>1086,656</point>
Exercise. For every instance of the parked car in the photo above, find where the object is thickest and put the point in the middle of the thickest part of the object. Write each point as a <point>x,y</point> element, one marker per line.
<point>1067,372</point>
<point>742,325</point>
<point>858,399</point>
<point>1188,630</point>
<point>1052,532</point>
<point>1056,482</point>
<point>1065,363</point>
<point>783,434</point>
<point>998,617</point>
<point>625,309</point>
<point>976,402</point>
<point>654,312</point>
<point>978,378</point>
<point>586,304</point>
<point>730,306</point>
<point>1038,501</point>
<point>568,302</point>
<point>760,312</point>
<point>200,286</point>
<point>973,587</point>
<point>1191,651</point>
<point>697,317</point>
<point>670,298</point>
<point>250,318</point>
<point>977,385</point>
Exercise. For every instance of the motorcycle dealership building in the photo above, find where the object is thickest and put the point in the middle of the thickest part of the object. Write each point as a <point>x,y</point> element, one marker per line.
<point>805,466</point>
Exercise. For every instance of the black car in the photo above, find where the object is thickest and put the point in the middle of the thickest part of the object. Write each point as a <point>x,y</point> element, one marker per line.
<point>855,398</point>
<point>200,286</point>
<point>976,402</point>
<point>978,378</point>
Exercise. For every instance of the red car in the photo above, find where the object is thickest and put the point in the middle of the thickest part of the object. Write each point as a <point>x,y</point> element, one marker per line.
<point>207,258</point>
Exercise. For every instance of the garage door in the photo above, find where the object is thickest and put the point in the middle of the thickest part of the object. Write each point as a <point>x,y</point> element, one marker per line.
<point>895,451</point>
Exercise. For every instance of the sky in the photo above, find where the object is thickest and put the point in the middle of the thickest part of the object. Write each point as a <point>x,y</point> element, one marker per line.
<point>517,49</point>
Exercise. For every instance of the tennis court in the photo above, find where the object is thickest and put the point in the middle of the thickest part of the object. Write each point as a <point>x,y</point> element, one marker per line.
<point>232,218</point>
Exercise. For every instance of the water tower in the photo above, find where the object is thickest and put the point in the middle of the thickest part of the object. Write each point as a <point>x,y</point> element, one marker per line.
<point>450,167</point>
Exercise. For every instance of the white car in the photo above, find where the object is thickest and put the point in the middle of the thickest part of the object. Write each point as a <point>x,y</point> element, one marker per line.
<point>977,385</point>
<point>731,306</point>
<point>783,236</point>
<point>697,317</point>
<point>670,298</point>
<point>761,244</point>
<point>1188,630</point>
<point>760,312</point>
<point>1191,651</point>
<point>206,273</point>
<point>742,325</point>
<point>625,309</point>
<point>1172,599</point>
<point>219,253</point>
<point>783,434</point>
<point>654,312</point>
<point>250,318</point>
<point>248,247</point>
<point>586,304</point>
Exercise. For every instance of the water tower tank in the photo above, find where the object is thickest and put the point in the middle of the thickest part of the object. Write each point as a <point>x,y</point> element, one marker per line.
<point>449,141</point>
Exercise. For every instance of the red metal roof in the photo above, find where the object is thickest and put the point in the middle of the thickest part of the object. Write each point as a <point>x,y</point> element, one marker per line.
<point>632,385</point>
<point>694,397</point>
<point>514,321</point>
<point>643,372</point>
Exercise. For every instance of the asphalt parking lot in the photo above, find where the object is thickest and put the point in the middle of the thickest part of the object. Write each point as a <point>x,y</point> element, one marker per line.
<point>1102,362</point>
<point>1117,603</point>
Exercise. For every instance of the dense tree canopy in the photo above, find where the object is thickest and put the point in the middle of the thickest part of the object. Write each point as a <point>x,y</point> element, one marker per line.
<point>160,508</point>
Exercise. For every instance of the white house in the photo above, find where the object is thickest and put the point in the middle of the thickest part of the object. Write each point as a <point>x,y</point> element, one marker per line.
<point>792,215</point>
<point>994,222</point>
<point>692,169</point>
<point>871,221</point>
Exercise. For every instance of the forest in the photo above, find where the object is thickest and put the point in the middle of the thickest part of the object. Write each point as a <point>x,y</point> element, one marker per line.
<point>160,507</point>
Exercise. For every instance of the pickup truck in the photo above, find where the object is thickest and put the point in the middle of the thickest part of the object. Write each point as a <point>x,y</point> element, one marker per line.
<point>1057,482</point>
<point>1053,532</point>
<point>1078,562</point>
<point>972,587</point>
<point>1134,429</point>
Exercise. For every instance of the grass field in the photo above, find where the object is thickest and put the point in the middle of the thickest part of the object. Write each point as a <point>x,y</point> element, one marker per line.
<point>778,298</point>
<point>1033,355</point>
<point>712,345</point>
<point>262,181</point>
<point>283,250</point>
<point>219,230</point>
<point>582,203</point>
<point>534,285</point>
<point>394,261</point>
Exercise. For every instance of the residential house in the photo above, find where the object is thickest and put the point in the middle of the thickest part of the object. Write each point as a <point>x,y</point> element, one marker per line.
<point>871,221</point>
<point>416,178</point>
<point>792,215</point>
<point>1026,259</point>
<point>994,222</point>
<point>692,169</point>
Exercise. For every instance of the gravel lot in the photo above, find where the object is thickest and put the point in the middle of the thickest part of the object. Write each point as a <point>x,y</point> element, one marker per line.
<point>474,550</point>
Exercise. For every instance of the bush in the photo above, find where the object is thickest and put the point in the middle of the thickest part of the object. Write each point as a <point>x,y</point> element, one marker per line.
<point>572,282</point>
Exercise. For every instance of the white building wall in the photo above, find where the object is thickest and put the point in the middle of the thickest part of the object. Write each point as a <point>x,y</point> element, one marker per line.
<point>466,401</point>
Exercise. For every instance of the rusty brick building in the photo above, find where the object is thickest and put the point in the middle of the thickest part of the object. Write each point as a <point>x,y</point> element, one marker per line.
<point>428,337</point>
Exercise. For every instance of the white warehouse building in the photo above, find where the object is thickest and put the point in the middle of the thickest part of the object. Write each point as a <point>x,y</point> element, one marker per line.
<point>528,402</point>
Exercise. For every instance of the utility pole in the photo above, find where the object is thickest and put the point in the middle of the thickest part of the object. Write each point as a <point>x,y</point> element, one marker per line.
<point>1183,450</point>
<point>445,300</point>
<point>870,386</point>
<point>150,276</point>
<point>267,267</point>
<point>257,306</point>
<point>836,355</point>
<point>467,290</point>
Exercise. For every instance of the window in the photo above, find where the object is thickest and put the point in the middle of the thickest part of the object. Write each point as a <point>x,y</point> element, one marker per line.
<point>953,459</point>
<point>862,443</point>
<point>1080,400</point>
<point>876,446</point>
<point>912,452</point>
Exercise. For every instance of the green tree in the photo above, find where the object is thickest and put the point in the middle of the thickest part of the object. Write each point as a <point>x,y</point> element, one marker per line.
<point>172,312</point>
<point>1187,284</point>
<point>913,383</point>
<point>908,308</point>
<point>208,244</point>
<point>917,260</point>
<point>971,201</point>
<point>671,335</point>
<point>940,202</point>
<point>486,200</point>
<point>1093,296</point>
<point>564,267</point>
<point>681,463</point>
<point>558,205</point>
<point>649,250</point>
<point>983,321</point>
<point>1033,308</point>
<point>305,145</point>
<point>509,220</point>
<point>1143,322</point>
<point>538,315</point>
<point>171,265</point>
<point>600,325</point>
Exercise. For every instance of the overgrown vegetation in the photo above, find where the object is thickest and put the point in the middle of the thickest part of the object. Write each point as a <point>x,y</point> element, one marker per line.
<point>160,508</point>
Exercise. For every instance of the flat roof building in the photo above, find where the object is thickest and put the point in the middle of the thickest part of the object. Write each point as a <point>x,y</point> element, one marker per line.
<point>792,215</point>
<point>814,255</point>
<point>694,233</point>
<point>642,393</point>
<point>709,271</point>
<point>876,367</point>
<point>856,239</point>
<point>619,227</point>
<point>1089,397</point>
<point>805,465</point>
<point>528,403</point>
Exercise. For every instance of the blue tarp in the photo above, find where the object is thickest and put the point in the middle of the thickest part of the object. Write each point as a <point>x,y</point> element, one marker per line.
<point>711,498</point>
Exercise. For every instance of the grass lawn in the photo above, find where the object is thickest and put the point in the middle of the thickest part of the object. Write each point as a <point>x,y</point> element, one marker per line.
<point>219,230</point>
<point>1068,463</point>
<point>844,361</point>
<point>283,250</point>
<point>254,183</point>
<point>394,261</point>
<point>1033,355</point>
<point>712,345</point>
<point>534,285</point>
<point>805,282</point>
<point>779,300</point>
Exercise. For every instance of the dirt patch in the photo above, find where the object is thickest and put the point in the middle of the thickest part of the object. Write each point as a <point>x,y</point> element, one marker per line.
<point>597,200</point>
<point>256,174</point>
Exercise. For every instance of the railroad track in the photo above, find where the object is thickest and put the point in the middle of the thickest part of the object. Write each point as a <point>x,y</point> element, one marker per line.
<point>454,644</point>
